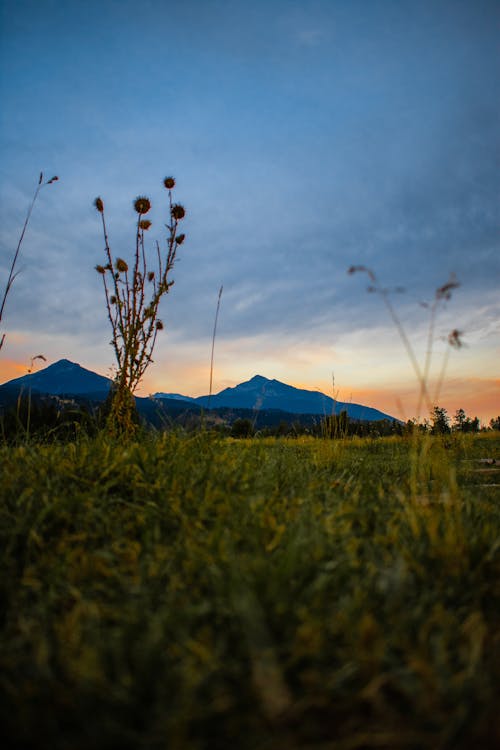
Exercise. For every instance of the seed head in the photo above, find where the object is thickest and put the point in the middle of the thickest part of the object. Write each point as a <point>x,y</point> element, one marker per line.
<point>144,225</point>
<point>99,205</point>
<point>100,269</point>
<point>455,339</point>
<point>178,211</point>
<point>151,275</point>
<point>121,265</point>
<point>112,299</point>
<point>169,183</point>
<point>159,325</point>
<point>142,205</point>
<point>444,292</point>
<point>180,239</point>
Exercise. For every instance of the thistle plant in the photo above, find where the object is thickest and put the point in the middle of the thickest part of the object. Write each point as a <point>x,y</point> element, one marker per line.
<point>133,292</point>
<point>13,273</point>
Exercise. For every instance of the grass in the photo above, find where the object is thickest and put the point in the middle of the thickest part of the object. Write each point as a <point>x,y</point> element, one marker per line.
<point>208,593</point>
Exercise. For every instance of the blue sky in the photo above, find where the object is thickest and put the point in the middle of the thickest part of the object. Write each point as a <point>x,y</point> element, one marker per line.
<point>305,137</point>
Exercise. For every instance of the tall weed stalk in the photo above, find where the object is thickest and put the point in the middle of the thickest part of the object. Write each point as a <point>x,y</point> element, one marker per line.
<point>213,346</point>
<point>133,293</point>
<point>420,457</point>
<point>441,295</point>
<point>13,273</point>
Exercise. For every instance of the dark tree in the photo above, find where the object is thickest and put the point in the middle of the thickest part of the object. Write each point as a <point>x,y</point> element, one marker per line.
<point>440,421</point>
<point>242,428</point>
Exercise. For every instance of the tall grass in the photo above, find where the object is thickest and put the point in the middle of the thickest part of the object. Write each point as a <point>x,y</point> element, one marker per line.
<point>205,593</point>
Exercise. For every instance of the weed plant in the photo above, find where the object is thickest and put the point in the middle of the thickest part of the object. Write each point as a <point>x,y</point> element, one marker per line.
<point>441,295</point>
<point>132,298</point>
<point>192,592</point>
<point>12,272</point>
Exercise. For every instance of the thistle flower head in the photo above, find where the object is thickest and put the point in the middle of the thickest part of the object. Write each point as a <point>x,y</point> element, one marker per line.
<point>159,325</point>
<point>169,183</point>
<point>178,211</point>
<point>121,265</point>
<point>142,204</point>
<point>112,299</point>
<point>180,239</point>
<point>100,269</point>
<point>144,225</point>
<point>151,275</point>
<point>99,205</point>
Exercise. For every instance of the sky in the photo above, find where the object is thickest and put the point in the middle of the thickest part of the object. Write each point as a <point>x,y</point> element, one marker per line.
<point>305,137</point>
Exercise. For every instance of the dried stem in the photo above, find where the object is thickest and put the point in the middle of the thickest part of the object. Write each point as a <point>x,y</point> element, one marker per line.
<point>443,293</point>
<point>132,305</point>
<point>12,273</point>
<point>213,345</point>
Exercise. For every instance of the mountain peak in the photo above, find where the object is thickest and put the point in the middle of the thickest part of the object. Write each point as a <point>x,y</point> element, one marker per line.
<point>257,379</point>
<point>259,393</point>
<point>63,377</point>
<point>63,364</point>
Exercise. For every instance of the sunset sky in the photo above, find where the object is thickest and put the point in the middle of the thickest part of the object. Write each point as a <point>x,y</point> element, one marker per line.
<point>305,137</point>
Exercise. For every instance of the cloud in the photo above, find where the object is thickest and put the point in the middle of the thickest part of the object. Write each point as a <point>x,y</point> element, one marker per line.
<point>303,140</point>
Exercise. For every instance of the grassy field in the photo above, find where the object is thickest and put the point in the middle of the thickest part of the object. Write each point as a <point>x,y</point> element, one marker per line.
<point>199,592</point>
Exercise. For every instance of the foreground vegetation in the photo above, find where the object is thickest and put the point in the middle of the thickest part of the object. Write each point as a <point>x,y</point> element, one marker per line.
<point>200,592</point>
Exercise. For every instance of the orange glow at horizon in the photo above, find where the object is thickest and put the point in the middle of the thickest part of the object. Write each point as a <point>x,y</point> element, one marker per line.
<point>10,369</point>
<point>477,396</point>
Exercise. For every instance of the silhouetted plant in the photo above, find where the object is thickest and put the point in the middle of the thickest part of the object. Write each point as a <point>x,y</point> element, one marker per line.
<point>13,273</point>
<point>442,294</point>
<point>133,293</point>
<point>213,346</point>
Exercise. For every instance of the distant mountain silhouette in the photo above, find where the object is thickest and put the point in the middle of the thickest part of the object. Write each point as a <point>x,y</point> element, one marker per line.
<point>261,393</point>
<point>258,394</point>
<point>63,377</point>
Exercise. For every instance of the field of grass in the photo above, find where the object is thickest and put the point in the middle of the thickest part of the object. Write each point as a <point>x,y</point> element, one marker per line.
<point>199,592</point>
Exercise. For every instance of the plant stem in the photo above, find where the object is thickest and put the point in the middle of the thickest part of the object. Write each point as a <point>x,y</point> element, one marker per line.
<point>213,346</point>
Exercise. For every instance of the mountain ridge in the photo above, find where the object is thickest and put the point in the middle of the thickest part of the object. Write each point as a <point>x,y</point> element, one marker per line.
<point>258,393</point>
<point>264,393</point>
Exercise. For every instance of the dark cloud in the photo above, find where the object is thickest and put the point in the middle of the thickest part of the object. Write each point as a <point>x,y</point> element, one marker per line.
<point>302,142</point>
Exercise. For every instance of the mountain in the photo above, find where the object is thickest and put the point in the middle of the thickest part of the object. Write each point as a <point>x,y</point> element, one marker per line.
<point>63,377</point>
<point>258,394</point>
<point>175,397</point>
<point>261,393</point>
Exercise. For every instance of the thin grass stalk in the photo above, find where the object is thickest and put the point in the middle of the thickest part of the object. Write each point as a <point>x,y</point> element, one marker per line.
<point>12,273</point>
<point>213,346</point>
<point>443,293</point>
<point>409,349</point>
